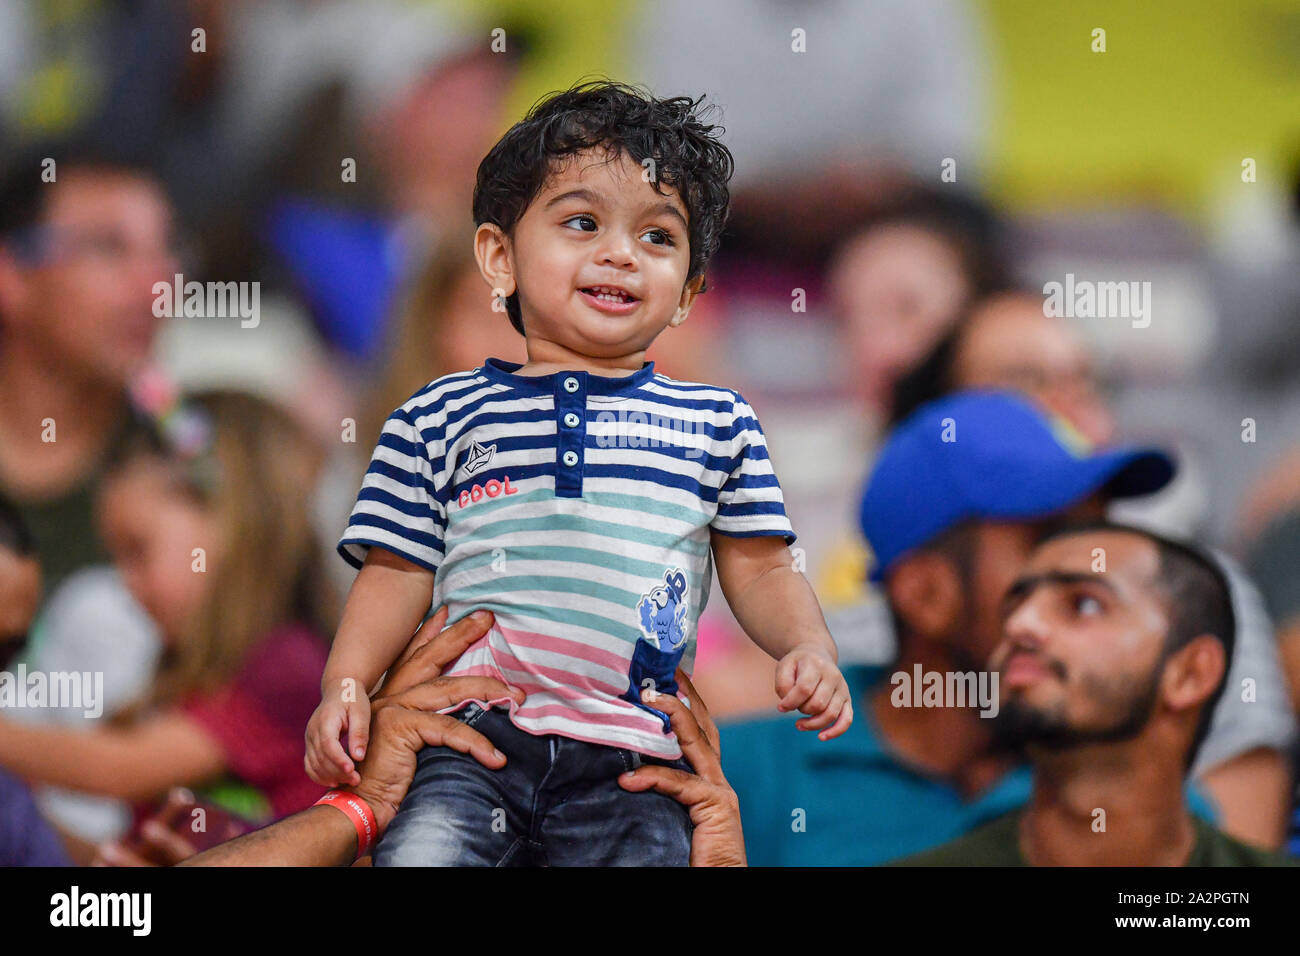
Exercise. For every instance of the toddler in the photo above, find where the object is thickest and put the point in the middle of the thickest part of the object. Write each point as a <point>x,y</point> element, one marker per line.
<point>580,497</point>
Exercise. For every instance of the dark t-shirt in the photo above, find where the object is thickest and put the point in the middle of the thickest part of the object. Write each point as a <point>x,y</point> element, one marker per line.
<point>997,843</point>
<point>64,529</point>
<point>25,838</point>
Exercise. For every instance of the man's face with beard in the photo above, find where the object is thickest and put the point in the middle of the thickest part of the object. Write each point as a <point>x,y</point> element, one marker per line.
<point>1082,649</point>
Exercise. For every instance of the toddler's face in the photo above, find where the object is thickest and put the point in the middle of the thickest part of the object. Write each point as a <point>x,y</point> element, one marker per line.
<point>599,223</point>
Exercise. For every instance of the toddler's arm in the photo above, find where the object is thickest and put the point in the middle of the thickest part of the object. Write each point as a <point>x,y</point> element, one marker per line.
<point>779,611</point>
<point>388,600</point>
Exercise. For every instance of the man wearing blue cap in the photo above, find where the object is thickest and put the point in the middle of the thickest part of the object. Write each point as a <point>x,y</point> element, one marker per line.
<point>959,497</point>
<point>1007,342</point>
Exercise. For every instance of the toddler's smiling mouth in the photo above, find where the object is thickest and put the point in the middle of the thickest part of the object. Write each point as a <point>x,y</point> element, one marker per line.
<point>610,298</point>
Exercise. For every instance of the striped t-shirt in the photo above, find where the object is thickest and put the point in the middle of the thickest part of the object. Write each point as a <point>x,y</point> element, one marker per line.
<point>578,509</point>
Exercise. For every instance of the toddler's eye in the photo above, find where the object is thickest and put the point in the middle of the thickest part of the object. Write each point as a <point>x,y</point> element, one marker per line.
<point>587,220</point>
<point>663,238</point>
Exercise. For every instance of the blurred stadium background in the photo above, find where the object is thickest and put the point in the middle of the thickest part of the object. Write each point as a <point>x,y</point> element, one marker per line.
<point>1170,156</point>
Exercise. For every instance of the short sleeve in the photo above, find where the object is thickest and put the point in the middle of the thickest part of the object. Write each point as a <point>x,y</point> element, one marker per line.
<point>398,507</point>
<point>750,501</point>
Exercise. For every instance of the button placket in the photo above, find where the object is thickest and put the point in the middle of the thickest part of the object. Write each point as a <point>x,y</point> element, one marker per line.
<point>570,418</point>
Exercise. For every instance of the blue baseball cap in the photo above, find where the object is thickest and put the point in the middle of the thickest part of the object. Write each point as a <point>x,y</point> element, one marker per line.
<point>988,455</point>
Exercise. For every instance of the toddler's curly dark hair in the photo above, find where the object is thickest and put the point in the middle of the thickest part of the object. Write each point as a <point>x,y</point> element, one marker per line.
<point>686,152</point>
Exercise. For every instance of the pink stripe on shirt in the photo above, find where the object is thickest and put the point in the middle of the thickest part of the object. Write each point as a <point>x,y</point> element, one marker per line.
<point>501,654</point>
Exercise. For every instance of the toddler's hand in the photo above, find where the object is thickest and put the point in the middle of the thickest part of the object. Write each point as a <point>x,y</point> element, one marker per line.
<point>807,680</point>
<point>327,762</point>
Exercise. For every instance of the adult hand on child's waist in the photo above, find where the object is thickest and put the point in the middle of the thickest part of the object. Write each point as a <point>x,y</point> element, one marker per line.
<point>404,716</point>
<point>715,811</point>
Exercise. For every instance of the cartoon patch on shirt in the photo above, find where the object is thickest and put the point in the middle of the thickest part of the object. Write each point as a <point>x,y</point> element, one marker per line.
<point>663,612</point>
<point>662,615</point>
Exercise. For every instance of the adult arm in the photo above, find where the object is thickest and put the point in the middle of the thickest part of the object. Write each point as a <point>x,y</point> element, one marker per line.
<point>317,836</point>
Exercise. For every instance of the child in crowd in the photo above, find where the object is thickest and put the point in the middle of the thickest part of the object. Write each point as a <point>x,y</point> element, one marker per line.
<point>205,516</point>
<point>580,497</point>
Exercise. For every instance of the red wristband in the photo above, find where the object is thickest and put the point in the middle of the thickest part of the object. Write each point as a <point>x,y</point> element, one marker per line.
<point>356,810</point>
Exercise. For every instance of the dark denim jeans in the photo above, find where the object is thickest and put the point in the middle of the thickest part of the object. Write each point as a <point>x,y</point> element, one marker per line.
<point>557,802</point>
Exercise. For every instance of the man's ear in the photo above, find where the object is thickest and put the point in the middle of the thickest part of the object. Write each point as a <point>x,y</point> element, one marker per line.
<point>689,292</point>
<point>1193,672</point>
<point>492,250</point>
<point>925,589</point>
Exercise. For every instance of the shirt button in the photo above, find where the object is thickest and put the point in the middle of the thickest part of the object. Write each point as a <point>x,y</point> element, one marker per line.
<point>571,420</point>
<point>570,384</point>
<point>570,458</point>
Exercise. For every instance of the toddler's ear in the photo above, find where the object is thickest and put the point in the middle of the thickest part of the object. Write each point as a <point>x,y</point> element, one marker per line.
<point>689,292</point>
<point>492,251</point>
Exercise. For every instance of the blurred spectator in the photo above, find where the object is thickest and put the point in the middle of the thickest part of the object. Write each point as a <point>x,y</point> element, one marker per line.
<point>899,285</point>
<point>952,523</point>
<point>895,286</point>
<point>214,108</point>
<point>1008,342</point>
<point>91,625</point>
<point>207,522</point>
<point>25,838</point>
<point>826,104</point>
<point>427,140</point>
<point>404,721</point>
<point>351,244</point>
<point>447,324</point>
<point>78,259</point>
<point>1086,661</point>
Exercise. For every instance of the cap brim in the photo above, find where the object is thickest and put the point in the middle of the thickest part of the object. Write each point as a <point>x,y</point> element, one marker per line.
<point>1137,471</point>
